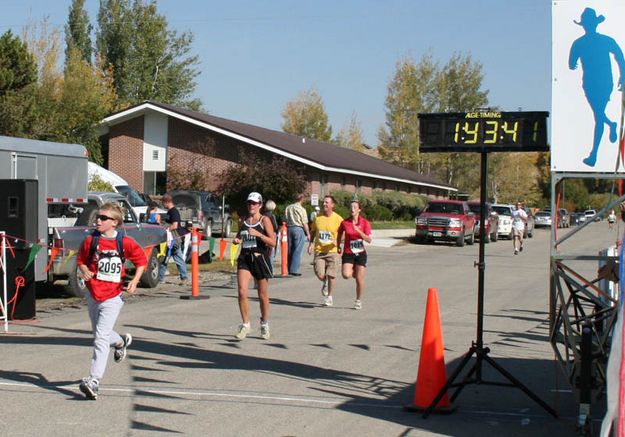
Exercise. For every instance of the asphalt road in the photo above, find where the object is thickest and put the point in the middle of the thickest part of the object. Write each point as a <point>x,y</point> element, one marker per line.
<point>325,371</point>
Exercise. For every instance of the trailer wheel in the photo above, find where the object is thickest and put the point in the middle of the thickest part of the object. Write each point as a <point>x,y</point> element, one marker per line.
<point>149,278</point>
<point>76,284</point>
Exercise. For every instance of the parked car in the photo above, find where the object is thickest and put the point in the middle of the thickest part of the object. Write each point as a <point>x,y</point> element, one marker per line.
<point>492,221</point>
<point>564,219</point>
<point>577,218</point>
<point>530,224</point>
<point>446,220</point>
<point>542,219</point>
<point>505,220</point>
<point>590,213</point>
<point>204,210</point>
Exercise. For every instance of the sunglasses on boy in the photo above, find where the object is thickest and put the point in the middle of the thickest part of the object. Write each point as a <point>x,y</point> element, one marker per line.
<point>103,217</point>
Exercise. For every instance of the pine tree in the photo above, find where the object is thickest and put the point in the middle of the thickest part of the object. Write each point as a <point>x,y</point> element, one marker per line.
<point>78,31</point>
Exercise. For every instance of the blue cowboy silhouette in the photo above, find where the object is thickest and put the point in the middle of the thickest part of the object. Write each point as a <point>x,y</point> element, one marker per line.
<point>594,50</point>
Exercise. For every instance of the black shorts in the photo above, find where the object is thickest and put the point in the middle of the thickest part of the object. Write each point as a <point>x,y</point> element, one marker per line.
<point>357,260</point>
<point>257,263</point>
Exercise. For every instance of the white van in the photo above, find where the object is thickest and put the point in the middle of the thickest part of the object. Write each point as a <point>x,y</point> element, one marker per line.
<point>120,185</point>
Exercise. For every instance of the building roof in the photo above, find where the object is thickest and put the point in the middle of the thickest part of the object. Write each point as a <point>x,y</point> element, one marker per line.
<point>313,153</point>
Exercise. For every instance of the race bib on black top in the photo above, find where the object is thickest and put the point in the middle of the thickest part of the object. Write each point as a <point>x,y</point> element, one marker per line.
<point>247,241</point>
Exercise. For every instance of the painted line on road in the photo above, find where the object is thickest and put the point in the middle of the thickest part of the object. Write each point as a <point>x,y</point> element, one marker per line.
<point>303,400</point>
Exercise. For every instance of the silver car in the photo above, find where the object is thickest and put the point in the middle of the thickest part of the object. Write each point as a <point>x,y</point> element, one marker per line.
<point>542,219</point>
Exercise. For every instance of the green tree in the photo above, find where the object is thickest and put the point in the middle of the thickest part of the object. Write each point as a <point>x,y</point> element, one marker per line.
<point>411,91</point>
<point>17,66</point>
<point>351,136</point>
<point>18,81</point>
<point>62,105</point>
<point>428,87</point>
<point>306,116</point>
<point>148,61</point>
<point>78,31</point>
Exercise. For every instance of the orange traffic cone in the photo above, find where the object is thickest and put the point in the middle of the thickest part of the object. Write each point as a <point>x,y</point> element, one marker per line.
<point>432,375</point>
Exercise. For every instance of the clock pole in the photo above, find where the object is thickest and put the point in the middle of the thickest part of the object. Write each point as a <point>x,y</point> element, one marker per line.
<point>474,376</point>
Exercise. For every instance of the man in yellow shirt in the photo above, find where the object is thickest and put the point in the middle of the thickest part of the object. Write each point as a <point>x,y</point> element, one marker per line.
<point>324,233</point>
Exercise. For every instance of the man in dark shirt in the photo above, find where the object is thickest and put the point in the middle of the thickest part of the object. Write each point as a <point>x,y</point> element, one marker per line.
<point>172,223</point>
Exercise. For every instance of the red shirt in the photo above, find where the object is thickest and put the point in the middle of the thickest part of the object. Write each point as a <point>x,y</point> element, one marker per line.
<point>353,243</point>
<point>111,285</point>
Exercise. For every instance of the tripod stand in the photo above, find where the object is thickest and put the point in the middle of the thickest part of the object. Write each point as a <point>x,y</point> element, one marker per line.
<point>474,376</point>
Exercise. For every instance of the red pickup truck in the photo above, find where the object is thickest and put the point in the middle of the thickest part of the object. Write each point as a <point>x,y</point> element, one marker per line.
<point>446,220</point>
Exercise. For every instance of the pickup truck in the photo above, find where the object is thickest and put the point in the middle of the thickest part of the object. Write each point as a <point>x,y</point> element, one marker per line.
<point>67,240</point>
<point>446,220</point>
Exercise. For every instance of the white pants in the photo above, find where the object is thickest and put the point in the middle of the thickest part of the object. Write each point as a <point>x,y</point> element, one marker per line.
<point>103,316</point>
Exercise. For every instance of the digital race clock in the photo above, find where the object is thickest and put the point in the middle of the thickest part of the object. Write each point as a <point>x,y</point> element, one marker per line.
<point>484,131</point>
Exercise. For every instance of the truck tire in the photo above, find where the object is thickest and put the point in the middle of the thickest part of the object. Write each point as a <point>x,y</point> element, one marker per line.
<point>208,229</point>
<point>419,240</point>
<point>487,239</point>
<point>460,240</point>
<point>75,283</point>
<point>227,228</point>
<point>149,278</point>
<point>471,238</point>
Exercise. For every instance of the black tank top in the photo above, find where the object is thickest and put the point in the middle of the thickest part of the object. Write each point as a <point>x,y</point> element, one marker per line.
<point>249,242</point>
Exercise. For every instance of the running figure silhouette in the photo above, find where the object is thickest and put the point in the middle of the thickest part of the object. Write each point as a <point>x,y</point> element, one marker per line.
<point>594,50</point>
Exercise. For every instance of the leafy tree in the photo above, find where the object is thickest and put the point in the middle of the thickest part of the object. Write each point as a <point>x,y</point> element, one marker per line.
<point>306,116</point>
<point>275,178</point>
<point>148,61</point>
<point>351,136</point>
<point>427,87</point>
<point>63,106</point>
<point>96,183</point>
<point>78,31</point>
<point>18,78</point>
<point>517,178</point>
<point>17,66</point>
<point>410,92</point>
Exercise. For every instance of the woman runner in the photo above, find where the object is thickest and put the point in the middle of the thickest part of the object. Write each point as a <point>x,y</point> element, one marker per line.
<point>357,230</point>
<point>256,236</point>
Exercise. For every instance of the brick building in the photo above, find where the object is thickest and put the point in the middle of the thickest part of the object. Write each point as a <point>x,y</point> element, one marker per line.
<point>146,142</point>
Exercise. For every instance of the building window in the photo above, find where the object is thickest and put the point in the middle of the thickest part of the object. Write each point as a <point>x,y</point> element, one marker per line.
<point>155,155</point>
<point>323,180</point>
<point>358,185</point>
<point>343,182</point>
<point>375,185</point>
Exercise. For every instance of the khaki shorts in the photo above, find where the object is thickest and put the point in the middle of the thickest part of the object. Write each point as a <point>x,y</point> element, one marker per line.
<point>327,264</point>
<point>518,232</point>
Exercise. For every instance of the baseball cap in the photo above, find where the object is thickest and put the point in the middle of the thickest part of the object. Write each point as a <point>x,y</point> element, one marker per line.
<point>255,197</point>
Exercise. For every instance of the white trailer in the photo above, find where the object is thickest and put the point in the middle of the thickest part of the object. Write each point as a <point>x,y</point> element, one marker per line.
<point>62,175</point>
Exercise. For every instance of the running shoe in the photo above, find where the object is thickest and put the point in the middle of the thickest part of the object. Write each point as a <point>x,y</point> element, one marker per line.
<point>324,287</point>
<point>516,252</point>
<point>327,301</point>
<point>243,331</point>
<point>358,304</point>
<point>264,331</point>
<point>89,387</point>
<point>120,352</point>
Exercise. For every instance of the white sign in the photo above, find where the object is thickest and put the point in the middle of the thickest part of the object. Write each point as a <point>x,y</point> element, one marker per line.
<point>588,73</point>
<point>314,199</point>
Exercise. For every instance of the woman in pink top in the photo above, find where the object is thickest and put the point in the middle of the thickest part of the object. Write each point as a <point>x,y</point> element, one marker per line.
<point>357,230</point>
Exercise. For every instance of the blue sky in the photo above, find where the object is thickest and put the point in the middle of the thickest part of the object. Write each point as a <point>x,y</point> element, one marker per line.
<point>257,55</point>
